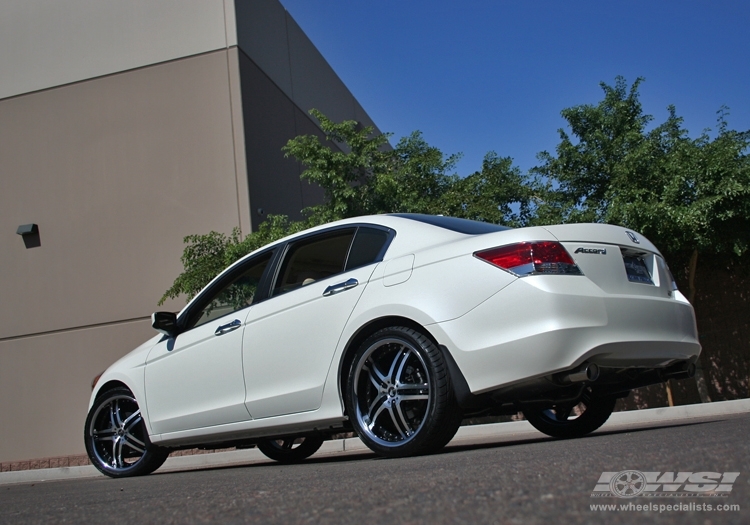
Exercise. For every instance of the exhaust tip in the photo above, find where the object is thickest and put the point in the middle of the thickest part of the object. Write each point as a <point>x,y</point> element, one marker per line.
<point>588,372</point>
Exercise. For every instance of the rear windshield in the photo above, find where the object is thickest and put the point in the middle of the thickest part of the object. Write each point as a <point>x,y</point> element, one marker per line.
<point>454,224</point>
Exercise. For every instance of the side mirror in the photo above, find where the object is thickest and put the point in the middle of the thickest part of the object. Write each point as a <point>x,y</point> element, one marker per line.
<point>165,323</point>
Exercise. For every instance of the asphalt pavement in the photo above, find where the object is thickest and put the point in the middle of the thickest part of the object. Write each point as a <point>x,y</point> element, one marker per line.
<point>468,435</point>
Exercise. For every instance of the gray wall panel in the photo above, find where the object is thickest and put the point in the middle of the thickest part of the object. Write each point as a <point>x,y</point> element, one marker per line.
<point>314,82</point>
<point>268,115</point>
<point>262,35</point>
<point>312,194</point>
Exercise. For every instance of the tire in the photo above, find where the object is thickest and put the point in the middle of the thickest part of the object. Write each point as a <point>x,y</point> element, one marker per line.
<point>290,450</point>
<point>573,420</point>
<point>116,439</point>
<point>399,395</point>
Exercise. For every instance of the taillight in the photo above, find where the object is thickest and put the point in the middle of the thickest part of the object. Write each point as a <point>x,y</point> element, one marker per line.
<point>529,258</point>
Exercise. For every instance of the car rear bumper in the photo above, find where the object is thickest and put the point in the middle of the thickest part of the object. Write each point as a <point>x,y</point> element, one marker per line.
<point>540,325</point>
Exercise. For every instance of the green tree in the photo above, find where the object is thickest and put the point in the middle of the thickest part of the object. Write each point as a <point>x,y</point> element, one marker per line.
<point>362,174</point>
<point>689,196</point>
<point>370,177</point>
<point>205,256</point>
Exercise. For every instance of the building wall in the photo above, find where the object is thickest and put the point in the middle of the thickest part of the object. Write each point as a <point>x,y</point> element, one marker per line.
<point>115,171</point>
<point>124,127</point>
<point>46,43</point>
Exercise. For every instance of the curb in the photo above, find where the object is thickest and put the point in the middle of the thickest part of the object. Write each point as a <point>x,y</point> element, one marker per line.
<point>464,436</point>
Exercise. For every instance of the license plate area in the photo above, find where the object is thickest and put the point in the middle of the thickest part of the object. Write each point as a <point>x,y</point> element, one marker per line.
<point>637,268</point>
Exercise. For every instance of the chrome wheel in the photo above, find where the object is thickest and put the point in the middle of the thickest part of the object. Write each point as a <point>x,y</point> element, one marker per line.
<point>399,396</point>
<point>116,438</point>
<point>573,419</point>
<point>290,450</point>
<point>392,393</point>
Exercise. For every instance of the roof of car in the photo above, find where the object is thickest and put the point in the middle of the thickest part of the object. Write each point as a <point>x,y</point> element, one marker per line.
<point>455,224</point>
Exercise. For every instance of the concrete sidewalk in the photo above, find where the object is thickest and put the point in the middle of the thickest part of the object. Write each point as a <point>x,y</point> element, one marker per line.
<point>498,432</point>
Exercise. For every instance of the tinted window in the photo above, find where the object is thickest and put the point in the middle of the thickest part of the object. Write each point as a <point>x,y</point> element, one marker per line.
<point>239,293</point>
<point>367,247</point>
<point>454,224</point>
<point>313,259</point>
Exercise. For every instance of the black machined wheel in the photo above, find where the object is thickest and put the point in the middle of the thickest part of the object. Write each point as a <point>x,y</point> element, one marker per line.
<point>573,419</point>
<point>116,439</point>
<point>399,396</point>
<point>291,450</point>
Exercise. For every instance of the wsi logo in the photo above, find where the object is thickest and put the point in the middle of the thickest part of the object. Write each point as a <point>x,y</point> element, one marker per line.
<point>600,251</point>
<point>632,483</point>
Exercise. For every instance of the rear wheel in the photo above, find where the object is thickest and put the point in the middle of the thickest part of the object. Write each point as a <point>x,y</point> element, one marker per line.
<point>290,450</point>
<point>573,419</point>
<point>116,439</point>
<point>399,395</point>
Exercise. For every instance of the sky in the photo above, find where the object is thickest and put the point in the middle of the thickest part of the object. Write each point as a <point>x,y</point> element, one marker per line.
<point>493,75</point>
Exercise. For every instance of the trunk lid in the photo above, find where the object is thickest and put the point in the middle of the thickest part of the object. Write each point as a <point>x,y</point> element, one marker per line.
<point>618,260</point>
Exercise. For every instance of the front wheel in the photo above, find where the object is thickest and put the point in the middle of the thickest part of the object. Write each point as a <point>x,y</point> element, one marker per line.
<point>399,396</point>
<point>290,450</point>
<point>573,419</point>
<point>116,439</point>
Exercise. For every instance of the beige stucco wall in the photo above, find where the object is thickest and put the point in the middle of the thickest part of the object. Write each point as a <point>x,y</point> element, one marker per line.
<point>125,126</point>
<point>45,384</point>
<point>115,171</point>
<point>46,43</point>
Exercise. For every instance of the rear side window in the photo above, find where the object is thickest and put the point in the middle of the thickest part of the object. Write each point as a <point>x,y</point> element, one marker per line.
<point>368,247</point>
<point>313,259</point>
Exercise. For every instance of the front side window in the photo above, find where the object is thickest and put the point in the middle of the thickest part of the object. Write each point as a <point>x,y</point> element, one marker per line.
<point>311,260</point>
<point>238,293</point>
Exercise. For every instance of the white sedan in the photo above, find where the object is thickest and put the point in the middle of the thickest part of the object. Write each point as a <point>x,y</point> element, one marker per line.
<point>396,327</point>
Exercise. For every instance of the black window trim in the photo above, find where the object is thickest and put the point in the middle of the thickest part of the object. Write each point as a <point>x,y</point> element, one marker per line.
<point>330,231</point>
<point>187,319</point>
<point>270,274</point>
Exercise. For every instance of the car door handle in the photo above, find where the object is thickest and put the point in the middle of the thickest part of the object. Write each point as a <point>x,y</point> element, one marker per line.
<point>226,328</point>
<point>340,287</point>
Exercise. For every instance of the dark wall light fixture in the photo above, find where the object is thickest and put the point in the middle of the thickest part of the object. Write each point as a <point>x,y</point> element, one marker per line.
<point>30,234</point>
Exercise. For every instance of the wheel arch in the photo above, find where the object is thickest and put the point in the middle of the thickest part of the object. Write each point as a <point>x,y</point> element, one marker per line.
<point>109,385</point>
<point>458,382</point>
<point>121,381</point>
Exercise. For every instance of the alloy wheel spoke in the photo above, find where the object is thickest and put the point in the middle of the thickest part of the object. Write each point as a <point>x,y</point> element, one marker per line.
<point>126,441</point>
<point>395,421</point>
<point>372,368</point>
<point>398,361</point>
<point>397,378</point>
<point>414,397</point>
<point>104,435</point>
<point>132,439</point>
<point>378,400</point>
<point>111,413</point>
<point>129,423</point>
<point>404,423</point>
<point>117,452</point>
<point>402,387</point>
<point>287,444</point>
<point>376,382</point>
<point>117,418</point>
<point>374,417</point>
